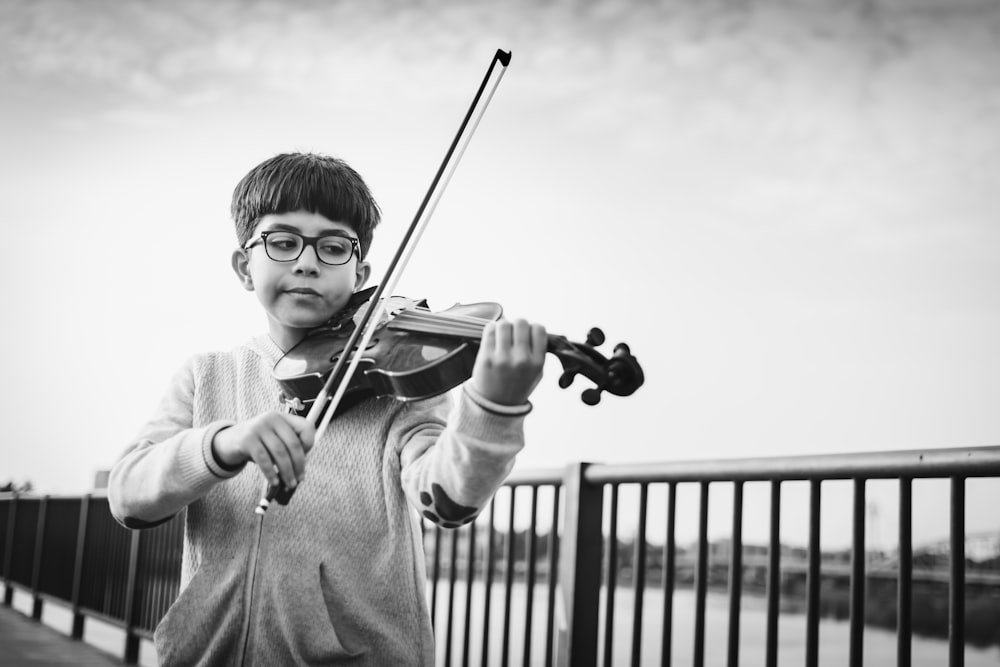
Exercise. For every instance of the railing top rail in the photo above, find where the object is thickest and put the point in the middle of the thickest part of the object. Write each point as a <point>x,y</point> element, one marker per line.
<point>536,477</point>
<point>34,495</point>
<point>967,462</point>
<point>917,463</point>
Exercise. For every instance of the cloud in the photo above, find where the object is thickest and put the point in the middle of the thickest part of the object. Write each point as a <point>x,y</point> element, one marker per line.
<point>631,55</point>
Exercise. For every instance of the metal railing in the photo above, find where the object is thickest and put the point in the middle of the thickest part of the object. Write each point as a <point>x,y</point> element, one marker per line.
<point>70,550</point>
<point>504,591</point>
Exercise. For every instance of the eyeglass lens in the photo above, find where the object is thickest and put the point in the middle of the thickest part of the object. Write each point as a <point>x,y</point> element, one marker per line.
<point>288,246</point>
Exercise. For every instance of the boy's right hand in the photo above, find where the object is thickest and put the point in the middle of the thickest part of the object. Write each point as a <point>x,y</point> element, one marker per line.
<point>276,441</point>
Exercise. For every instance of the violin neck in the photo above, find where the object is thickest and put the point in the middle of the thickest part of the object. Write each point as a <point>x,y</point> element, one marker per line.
<point>421,320</point>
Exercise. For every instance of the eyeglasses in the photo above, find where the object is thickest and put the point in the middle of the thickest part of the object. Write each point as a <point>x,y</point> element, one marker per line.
<point>283,246</point>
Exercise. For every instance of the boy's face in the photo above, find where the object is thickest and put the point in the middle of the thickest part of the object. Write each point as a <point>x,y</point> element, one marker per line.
<point>302,293</point>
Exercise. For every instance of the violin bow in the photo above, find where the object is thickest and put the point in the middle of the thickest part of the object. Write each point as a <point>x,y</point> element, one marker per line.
<point>342,372</point>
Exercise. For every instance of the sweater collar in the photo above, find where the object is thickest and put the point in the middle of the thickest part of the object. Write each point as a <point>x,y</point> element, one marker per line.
<point>266,348</point>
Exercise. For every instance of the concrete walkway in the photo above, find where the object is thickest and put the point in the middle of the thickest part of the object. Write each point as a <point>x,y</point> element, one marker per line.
<point>27,642</point>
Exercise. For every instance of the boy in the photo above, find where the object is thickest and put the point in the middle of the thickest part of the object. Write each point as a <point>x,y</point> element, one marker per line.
<point>337,575</point>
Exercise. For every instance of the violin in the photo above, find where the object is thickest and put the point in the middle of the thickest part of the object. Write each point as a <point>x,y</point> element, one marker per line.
<point>413,353</point>
<point>417,353</point>
<point>398,347</point>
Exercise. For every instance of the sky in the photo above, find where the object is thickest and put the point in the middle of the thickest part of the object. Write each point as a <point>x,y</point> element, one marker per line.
<point>787,209</point>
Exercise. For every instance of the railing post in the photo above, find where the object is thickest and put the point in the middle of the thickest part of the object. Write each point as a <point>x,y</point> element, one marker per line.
<point>8,594</point>
<point>857,592</point>
<point>553,576</point>
<point>735,577</point>
<point>669,575</point>
<point>904,579</point>
<point>956,579</point>
<point>813,576</point>
<point>36,566</point>
<point>580,568</point>
<point>81,543</point>
<point>773,577</point>
<point>639,574</point>
<point>131,639</point>
<point>701,576</point>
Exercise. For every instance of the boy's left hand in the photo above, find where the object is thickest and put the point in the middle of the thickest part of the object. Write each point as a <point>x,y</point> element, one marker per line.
<point>510,360</point>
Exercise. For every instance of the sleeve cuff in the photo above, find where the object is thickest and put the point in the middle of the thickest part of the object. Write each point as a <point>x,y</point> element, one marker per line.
<point>494,407</point>
<point>216,467</point>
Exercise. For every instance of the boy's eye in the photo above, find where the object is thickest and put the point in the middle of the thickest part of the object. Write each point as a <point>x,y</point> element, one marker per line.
<point>335,247</point>
<point>282,241</point>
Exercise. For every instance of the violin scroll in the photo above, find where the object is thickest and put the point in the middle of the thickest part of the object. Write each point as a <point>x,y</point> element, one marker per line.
<point>595,337</point>
<point>620,375</point>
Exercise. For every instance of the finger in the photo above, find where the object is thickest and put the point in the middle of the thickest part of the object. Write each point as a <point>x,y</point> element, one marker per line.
<point>521,335</point>
<point>504,333</point>
<point>294,446</point>
<point>281,459</point>
<point>539,342</point>
<point>261,456</point>
<point>489,340</point>
<point>304,429</point>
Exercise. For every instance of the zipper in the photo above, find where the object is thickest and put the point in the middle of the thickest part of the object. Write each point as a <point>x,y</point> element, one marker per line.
<point>252,580</point>
<point>252,567</point>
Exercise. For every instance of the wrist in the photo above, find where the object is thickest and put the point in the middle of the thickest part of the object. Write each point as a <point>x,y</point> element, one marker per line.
<point>495,393</point>
<point>226,459</point>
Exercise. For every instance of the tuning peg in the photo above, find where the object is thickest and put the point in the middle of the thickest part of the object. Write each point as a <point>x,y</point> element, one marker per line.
<point>566,379</point>
<point>595,337</point>
<point>591,396</point>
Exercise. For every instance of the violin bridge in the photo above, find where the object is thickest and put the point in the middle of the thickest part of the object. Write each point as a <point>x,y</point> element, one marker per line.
<point>293,405</point>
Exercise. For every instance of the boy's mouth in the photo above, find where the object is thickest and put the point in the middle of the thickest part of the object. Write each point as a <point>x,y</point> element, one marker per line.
<point>303,290</point>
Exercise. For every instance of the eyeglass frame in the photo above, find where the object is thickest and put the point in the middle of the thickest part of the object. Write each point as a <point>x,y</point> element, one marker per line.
<point>307,241</point>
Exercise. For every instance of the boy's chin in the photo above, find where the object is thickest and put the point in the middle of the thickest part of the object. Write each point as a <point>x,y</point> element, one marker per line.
<point>307,324</point>
<point>303,322</point>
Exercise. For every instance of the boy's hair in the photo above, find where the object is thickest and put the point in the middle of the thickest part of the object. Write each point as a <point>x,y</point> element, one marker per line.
<point>305,182</point>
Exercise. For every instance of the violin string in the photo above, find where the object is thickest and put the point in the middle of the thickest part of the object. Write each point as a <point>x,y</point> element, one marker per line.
<point>467,327</point>
<point>446,315</point>
<point>445,320</point>
<point>442,323</point>
<point>439,329</point>
<point>431,328</point>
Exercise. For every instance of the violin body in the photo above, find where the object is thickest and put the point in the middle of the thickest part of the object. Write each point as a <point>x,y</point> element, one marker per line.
<point>407,365</point>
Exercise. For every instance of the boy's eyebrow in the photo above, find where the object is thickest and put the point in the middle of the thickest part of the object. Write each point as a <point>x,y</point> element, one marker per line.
<point>285,227</point>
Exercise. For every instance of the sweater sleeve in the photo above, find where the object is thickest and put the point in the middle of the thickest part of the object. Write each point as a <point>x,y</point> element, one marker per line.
<point>453,462</point>
<point>170,464</point>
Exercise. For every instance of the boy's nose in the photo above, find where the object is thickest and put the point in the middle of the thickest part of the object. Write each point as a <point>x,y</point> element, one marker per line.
<point>308,261</point>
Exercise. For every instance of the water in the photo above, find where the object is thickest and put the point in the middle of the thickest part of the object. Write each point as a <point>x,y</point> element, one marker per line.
<point>879,645</point>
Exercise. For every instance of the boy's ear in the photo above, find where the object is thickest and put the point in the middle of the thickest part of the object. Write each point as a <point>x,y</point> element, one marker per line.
<point>362,272</point>
<point>241,266</point>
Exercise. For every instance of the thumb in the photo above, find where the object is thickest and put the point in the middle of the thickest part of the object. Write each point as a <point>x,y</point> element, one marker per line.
<point>304,429</point>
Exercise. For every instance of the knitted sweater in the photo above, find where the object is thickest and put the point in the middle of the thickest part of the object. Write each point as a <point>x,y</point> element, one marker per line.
<point>337,575</point>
